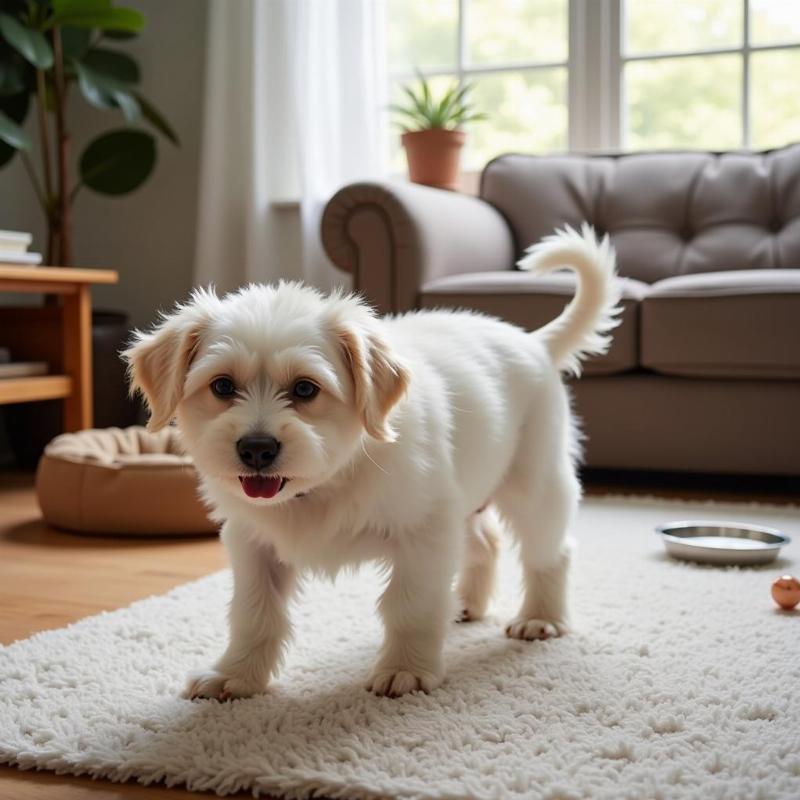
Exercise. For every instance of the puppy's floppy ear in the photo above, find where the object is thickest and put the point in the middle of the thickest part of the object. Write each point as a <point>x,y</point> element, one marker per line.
<point>158,360</point>
<point>380,379</point>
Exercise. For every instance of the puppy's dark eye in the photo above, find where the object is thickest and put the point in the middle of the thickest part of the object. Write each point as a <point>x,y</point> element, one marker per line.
<point>305,390</point>
<point>224,388</point>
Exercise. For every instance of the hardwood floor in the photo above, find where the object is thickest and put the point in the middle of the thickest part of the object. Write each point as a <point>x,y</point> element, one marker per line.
<point>49,578</point>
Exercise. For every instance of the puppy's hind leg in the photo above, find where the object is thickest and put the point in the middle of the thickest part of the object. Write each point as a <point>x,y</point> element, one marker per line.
<point>539,520</point>
<point>478,572</point>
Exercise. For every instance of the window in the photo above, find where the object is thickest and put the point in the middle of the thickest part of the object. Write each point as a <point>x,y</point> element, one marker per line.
<point>513,51</point>
<point>608,74</point>
<point>711,73</point>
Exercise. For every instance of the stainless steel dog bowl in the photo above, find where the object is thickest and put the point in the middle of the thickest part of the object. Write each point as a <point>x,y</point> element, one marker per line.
<point>721,542</point>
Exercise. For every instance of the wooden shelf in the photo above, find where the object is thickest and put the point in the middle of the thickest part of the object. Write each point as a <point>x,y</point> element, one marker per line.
<point>40,387</point>
<point>56,274</point>
<point>51,280</point>
<point>60,334</point>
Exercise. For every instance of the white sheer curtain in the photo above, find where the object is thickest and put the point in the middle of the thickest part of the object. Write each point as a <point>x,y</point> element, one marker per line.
<point>295,98</point>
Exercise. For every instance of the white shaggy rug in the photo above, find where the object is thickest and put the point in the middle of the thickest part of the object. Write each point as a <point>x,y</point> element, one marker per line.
<point>680,682</point>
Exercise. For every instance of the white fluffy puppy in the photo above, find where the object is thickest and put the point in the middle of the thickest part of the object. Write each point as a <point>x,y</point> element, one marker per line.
<point>325,436</point>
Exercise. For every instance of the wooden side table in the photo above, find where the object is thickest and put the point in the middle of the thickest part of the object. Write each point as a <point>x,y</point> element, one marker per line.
<point>59,334</point>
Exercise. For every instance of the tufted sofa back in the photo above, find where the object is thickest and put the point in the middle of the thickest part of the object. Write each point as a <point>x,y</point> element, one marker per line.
<point>667,213</point>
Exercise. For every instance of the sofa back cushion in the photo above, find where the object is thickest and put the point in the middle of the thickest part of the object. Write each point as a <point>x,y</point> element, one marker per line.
<point>667,213</point>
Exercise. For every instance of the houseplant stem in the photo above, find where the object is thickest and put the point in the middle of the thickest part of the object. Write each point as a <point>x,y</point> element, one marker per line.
<point>41,105</point>
<point>60,215</point>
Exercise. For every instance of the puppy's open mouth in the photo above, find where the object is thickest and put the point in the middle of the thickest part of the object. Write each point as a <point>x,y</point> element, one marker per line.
<point>262,485</point>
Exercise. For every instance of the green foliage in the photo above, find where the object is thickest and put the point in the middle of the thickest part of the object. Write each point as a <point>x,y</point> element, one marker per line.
<point>154,117</point>
<point>98,14</point>
<point>118,162</point>
<point>655,26</point>
<point>424,111</point>
<point>30,44</point>
<point>15,109</point>
<point>89,32</point>
<point>12,134</point>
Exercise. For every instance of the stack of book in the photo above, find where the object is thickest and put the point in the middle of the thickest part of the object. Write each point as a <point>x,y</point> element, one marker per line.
<point>19,369</point>
<point>14,249</point>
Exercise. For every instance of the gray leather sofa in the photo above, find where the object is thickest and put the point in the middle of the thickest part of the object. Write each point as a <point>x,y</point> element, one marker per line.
<point>704,371</point>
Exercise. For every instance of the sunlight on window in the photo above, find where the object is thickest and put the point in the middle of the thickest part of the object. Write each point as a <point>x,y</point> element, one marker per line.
<point>697,100</point>
<point>774,97</point>
<point>661,26</point>
<point>693,99</point>
<point>423,34</point>
<point>774,21</point>
<point>684,102</point>
<point>517,31</point>
<point>503,40</point>
<point>527,114</point>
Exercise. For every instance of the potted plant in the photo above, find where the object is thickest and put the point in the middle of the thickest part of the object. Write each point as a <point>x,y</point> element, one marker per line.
<point>52,52</point>
<point>432,135</point>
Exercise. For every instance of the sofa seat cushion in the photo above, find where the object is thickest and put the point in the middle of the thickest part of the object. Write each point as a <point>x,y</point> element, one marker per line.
<point>531,301</point>
<point>737,324</point>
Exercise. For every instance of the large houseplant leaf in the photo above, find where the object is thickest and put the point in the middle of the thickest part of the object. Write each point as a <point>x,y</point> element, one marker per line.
<point>14,108</point>
<point>12,134</point>
<point>118,162</point>
<point>156,119</point>
<point>106,92</point>
<point>112,64</point>
<point>75,41</point>
<point>105,19</point>
<point>31,44</point>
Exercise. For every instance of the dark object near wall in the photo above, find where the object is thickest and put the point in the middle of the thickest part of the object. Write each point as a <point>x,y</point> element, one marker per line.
<point>30,426</point>
<point>112,406</point>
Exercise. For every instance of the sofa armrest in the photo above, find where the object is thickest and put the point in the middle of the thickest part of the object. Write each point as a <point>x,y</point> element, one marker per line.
<point>394,237</point>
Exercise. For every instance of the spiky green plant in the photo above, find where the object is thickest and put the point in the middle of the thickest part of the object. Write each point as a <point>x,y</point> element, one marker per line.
<point>423,111</point>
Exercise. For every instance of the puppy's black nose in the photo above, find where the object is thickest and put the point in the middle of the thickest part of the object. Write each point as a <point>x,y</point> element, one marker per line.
<point>258,452</point>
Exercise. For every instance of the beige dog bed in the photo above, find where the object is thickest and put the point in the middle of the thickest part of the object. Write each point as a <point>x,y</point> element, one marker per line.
<point>120,481</point>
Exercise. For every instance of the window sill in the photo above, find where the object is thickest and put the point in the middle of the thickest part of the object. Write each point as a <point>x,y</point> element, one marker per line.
<point>286,204</point>
<point>468,183</point>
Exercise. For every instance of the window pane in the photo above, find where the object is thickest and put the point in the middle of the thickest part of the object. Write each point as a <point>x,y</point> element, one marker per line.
<point>527,113</point>
<point>684,102</point>
<point>422,33</point>
<point>774,98</point>
<point>517,31</point>
<point>774,21</point>
<point>679,26</point>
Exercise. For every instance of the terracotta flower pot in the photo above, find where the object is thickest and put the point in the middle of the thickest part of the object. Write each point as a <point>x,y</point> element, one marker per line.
<point>433,156</point>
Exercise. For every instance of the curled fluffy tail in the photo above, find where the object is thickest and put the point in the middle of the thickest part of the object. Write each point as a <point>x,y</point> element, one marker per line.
<point>583,328</point>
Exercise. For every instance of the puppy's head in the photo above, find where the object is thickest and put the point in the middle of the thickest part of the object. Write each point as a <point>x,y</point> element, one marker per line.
<point>273,387</point>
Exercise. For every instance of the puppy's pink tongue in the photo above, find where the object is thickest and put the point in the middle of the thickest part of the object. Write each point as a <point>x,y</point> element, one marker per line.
<point>260,485</point>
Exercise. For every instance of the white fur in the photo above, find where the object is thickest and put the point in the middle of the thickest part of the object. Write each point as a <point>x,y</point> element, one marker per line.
<point>426,427</point>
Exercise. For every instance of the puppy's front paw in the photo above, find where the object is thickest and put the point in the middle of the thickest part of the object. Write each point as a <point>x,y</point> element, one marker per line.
<point>216,685</point>
<point>395,682</point>
<point>532,629</point>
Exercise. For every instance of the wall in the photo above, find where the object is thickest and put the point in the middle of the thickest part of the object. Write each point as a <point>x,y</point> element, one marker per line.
<point>149,235</point>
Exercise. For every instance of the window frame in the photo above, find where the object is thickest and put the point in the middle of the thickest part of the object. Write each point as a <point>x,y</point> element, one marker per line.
<point>464,70</point>
<point>595,67</point>
<point>745,51</point>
